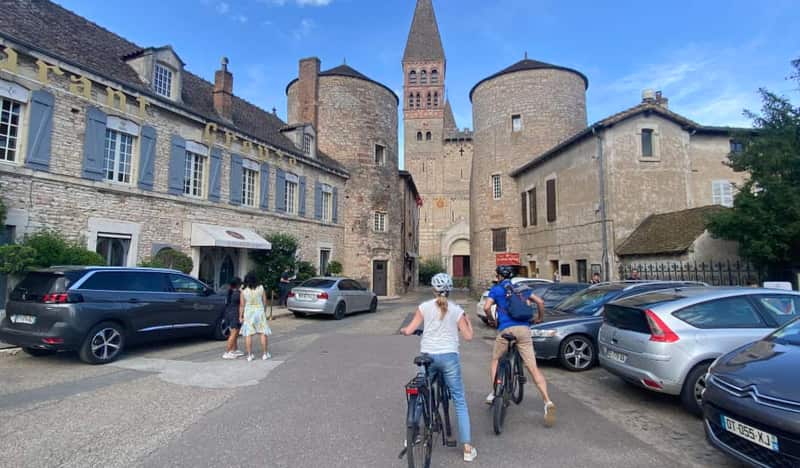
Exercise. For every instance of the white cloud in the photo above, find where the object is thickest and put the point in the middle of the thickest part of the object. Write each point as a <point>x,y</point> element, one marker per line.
<point>223,8</point>
<point>304,28</point>
<point>240,18</point>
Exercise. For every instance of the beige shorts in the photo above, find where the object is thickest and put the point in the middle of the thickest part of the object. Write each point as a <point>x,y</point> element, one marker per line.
<point>524,344</point>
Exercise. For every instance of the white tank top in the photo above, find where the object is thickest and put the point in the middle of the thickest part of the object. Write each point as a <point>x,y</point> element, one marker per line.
<point>440,336</point>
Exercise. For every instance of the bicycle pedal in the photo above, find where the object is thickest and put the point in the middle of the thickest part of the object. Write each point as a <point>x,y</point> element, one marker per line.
<point>451,443</point>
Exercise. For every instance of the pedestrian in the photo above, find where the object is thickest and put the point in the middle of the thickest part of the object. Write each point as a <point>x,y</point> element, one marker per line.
<point>253,315</point>
<point>232,318</point>
<point>285,285</point>
<point>634,275</point>
<point>556,277</point>
<point>595,278</point>
<point>442,321</point>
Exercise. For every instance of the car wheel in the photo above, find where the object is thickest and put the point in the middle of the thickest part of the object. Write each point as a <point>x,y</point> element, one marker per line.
<point>36,352</point>
<point>103,344</point>
<point>577,353</point>
<point>373,306</point>
<point>693,387</point>
<point>298,314</point>
<point>222,330</point>
<point>340,311</point>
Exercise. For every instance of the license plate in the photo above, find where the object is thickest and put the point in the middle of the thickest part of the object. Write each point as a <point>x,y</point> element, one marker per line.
<point>756,436</point>
<point>26,319</point>
<point>306,297</point>
<point>615,356</point>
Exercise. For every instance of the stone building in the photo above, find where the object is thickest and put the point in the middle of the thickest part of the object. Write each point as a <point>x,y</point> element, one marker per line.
<point>409,230</point>
<point>580,200</point>
<point>119,146</point>
<point>355,119</point>
<point>437,153</point>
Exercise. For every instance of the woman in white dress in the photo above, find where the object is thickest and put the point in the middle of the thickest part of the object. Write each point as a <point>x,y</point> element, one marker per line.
<point>253,316</point>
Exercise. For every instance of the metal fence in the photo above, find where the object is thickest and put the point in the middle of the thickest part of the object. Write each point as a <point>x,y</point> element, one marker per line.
<point>714,273</point>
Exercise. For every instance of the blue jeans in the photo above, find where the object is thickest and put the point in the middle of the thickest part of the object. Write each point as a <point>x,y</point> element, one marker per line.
<point>450,367</point>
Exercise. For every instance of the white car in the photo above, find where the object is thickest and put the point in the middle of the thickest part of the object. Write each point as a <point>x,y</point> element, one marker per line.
<point>530,282</point>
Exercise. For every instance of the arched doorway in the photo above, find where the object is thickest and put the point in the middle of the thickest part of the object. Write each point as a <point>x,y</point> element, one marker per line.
<point>459,255</point>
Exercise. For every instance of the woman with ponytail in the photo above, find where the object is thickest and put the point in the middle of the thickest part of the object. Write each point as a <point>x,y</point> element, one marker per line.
<point>443,320</point>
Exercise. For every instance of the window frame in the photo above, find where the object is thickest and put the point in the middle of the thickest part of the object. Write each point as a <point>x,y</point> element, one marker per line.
<point>308,142</point>
<point>292,195</point>
<point>499,236</point>
<point>735,146</point>
<point>126,240</point>
<point>435,76</point>
<point>163,80</point>
<point>188,184</point>
<point>497,186</point>
<point>723,185</point>
<point>650,133</point>
<point>117,156</point>
<point>428,136</point>
<point>412,77</point>
<point>250,187</point>
<point>532,211</point>
<point>516,118</point>
<point>551,200</point>
<point>379,154</point>
<point>18,127</point>
<point>379,221</point>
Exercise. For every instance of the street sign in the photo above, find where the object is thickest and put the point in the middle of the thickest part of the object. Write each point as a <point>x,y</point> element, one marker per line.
<point>507,259</point>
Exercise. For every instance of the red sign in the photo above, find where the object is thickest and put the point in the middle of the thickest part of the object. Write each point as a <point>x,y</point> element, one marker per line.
<point>507,259</point>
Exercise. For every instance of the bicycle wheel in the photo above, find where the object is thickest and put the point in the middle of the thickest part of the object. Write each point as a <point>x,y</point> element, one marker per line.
<point>500,403</point>
<point>444,399</point>
<point>419,439</point>
<point>518,376</point>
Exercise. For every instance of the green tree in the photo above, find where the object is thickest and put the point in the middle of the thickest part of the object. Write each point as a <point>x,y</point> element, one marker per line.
<point>271,263</point>
<point>428,268</point>
<point>44,249</point>
<point>765,218</point>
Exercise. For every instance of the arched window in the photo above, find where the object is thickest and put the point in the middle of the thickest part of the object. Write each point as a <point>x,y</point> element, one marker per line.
<point>428,100</point>
<point>419,136</point>
<point>436,99</point>
<point>434,76</point>
<point>423,77</point>
<point>207,270</point>
<point>412,77</point>
<point>411,100</point>
<point>428,136</point>
<point>226,271</point>
<point>418,102</point>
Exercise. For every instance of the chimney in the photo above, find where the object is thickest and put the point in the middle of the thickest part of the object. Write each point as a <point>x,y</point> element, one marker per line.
<point>648,96</point>
<point>308,90</point>
<point>661,100</point>
<point>223,91</point>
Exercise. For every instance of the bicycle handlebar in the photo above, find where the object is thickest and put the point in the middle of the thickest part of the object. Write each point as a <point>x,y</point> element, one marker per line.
<point>418,332</point>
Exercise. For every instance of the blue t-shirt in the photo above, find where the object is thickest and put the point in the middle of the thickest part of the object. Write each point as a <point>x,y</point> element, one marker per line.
<point>498,295</point>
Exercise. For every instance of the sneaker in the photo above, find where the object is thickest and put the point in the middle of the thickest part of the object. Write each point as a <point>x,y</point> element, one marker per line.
<point>490,398</point>
<point>472,455</point>
<point>266,356</point>
<point>228,355</point>
<point>549,414</point>
<point>237,353</point>
<point>249,357</point>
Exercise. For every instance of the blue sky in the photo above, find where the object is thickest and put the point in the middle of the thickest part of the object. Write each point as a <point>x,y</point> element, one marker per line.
<point>708,57</point>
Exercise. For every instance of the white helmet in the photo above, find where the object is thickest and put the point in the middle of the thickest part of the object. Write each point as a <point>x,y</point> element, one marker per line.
<point>442,283</point>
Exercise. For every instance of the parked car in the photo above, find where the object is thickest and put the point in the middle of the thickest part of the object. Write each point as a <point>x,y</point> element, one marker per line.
<point>331,296</point>
<point>529,282</point>
<point>751,402</point>
<point>98,311</point>
<point>666,340</point>
<point>570,330</point>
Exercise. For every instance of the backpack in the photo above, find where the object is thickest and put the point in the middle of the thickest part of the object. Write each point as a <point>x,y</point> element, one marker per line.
<point>517,298</point>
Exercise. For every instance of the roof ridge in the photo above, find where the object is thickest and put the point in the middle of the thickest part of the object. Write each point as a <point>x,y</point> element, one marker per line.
<point>102,28</point>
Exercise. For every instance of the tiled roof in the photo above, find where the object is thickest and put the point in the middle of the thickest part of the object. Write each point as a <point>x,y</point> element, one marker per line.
<point>528,64</point>
<point>449,120</point>
<point>424,42</point>
<point>348,72</point>
<point>668,233</point>
<point>56,31</point>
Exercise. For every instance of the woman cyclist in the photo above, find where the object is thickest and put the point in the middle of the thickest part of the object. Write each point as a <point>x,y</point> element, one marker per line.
<point>443,320</point>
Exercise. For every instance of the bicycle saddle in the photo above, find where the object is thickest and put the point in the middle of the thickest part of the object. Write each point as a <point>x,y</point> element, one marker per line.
<point>423,360</point>
<point>509,337</point>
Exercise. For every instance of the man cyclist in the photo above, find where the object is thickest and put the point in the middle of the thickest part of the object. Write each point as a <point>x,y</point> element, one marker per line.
<point>521,330</point>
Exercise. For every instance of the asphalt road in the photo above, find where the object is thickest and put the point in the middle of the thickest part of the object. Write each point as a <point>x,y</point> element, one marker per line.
<point>332,396</point>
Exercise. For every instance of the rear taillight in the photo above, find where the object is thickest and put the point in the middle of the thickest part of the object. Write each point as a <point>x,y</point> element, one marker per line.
<point>652,384</point>
<point>412,391</point>
<point>659,331</point>
<point>322,295</point>
<point>53,340</point>
<point>61,298</point>
<point>291,294</point>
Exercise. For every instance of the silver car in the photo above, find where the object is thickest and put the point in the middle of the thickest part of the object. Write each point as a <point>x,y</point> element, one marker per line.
<point>331,296</point>
<point>666,340</point>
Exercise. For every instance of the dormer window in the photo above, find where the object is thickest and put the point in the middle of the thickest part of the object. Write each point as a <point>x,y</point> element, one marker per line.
<point>162,80</point>
<point>308,143</point>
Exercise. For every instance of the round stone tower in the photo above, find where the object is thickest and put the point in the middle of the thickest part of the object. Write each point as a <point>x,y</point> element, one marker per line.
<point>518,113</point>
<point>355,120</point>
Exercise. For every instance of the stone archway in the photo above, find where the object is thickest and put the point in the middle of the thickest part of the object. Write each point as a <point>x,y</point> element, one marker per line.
<point>455,244</point>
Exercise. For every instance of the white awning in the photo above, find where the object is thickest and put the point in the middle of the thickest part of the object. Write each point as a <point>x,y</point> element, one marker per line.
<point>206,235</point>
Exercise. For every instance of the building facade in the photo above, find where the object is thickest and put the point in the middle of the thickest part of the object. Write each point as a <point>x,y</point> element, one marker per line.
<point>437,153</point>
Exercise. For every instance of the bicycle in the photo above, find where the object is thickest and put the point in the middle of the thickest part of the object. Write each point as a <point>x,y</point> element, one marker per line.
<point>425,394</point>
<point>509,383</point>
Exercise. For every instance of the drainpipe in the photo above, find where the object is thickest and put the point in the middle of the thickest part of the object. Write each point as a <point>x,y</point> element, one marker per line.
<point>603,220</point>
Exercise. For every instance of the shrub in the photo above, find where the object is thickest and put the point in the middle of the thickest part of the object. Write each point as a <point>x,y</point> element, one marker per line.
<point>170,258</point>
<point>52,249</point>
<point>3,212</point>
<point>269,264</point>
<point>335,268</point>
<point>461,282</point>
<point>428,268</point>
<point>16,259</point>
<point>305,270</point>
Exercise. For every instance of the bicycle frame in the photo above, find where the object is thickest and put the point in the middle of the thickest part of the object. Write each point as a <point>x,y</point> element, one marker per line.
<point>425,393</point>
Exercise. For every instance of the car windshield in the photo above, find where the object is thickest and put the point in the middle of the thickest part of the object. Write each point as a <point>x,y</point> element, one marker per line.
<point>789,334</point>
<point>318,283</point>
<point>588,301</point>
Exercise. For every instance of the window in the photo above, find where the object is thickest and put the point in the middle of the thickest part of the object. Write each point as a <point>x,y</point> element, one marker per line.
<point>532,214</point>
<point>194,175</point>
<point>327,206</point>
<point>428,100</point>
<point>9,129</point>
<point>308,141</point>
<point>418,101</point>
<point>412,77</point>
<point>782,309</point>
<point>419,136</point>
<point>162,80</point>
<point>291,197</point>
<point>499,240</point>
<point>737,147</point>
<point>733,312</point>
<point>647,142</point>
<point>114,248</point>
<point>423,77</point>
<point>379,224</point>
<point>249,184</point>
<point>428,136</point>
<point>434,76</point>
<point>324,259</point>
<point>722,193</point>
<point>497,189</point>
<point>125,281</point>
<point>119,147</point>
<point>516,123</point>
<point>380,155</point>
<point>185,284</point>
<point>436,99</point>
<point>411,100</point>
<point>566,269</point>
<point>524,205</point>
<point>551,200</point>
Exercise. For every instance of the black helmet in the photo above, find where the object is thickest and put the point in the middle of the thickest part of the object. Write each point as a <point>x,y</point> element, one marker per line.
<point>504,271</point>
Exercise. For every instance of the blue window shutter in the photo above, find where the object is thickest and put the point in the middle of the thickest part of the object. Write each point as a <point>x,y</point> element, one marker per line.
<point>335,205</point>
<point>215,175</point>
<point>147,158</point>
<point>317,201</point>
<point>236,180</point>
<point>264,179</point>
<point>280,190</point>
<point>40,134</point>
<point>177,165</point>
<point>94,144</point>
<point>302,200</point>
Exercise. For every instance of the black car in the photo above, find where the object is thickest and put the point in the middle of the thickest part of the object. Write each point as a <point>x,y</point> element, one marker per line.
<point>751,402</point>
<point>570,330</point>
<point>100,310</point>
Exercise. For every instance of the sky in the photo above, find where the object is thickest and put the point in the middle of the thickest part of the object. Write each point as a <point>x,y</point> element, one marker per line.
<point>709,57</point>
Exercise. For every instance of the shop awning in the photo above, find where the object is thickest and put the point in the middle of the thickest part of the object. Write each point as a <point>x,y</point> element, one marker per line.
<point>206,235</point>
